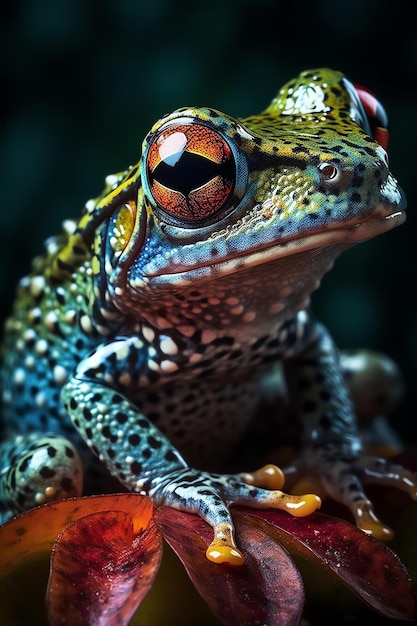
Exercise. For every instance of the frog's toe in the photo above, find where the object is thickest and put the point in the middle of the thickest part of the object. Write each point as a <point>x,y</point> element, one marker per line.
<point>223,548</point>
<point>367,521</point>
<point>383,472</point>
<point>269,477</point>
<point>38,469</point>
<point>343,477</point>
<point>210,495</point>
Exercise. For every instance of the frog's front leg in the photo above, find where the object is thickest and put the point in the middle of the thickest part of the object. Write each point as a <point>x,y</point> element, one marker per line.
<point>144,460</point>
<point>333,454</point>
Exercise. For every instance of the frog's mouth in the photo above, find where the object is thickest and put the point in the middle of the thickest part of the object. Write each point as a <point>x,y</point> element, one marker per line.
<point>184,268</point>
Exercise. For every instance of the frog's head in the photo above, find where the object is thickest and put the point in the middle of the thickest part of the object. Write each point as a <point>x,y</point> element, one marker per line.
<point>219,196</point>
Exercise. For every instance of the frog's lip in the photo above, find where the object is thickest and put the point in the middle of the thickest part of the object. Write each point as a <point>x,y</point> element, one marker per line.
<point>347,234</point>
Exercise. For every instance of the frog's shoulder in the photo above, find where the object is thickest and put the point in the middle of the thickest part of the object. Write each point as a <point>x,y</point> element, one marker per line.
<point>73,247</point>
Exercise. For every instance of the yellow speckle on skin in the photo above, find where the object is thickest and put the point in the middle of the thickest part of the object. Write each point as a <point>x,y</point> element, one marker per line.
<point>95,265</point>
<point>85,323</point>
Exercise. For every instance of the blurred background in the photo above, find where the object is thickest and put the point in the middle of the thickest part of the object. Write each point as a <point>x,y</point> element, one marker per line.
<point>82,81</point>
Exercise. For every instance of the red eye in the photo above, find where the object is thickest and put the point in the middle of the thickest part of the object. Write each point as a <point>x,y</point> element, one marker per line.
<point>191,171</point>
<point>376,115</point>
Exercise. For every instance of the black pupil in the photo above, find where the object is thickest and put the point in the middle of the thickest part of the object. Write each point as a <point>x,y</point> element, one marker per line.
<point>190,171</point>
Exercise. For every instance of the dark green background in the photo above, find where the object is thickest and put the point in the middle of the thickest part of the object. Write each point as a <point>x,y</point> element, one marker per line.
<point>82,81</point>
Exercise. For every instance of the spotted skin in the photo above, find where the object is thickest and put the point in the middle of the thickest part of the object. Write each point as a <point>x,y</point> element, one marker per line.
<point>151,324</point>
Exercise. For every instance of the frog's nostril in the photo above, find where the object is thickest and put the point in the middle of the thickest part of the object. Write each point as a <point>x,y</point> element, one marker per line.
<point>328,171</point>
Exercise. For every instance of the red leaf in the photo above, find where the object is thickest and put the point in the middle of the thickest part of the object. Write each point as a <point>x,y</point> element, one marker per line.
<point>101,570</point>
<point>366,566</point>
<point>26,542</point>
<point>267,589</point>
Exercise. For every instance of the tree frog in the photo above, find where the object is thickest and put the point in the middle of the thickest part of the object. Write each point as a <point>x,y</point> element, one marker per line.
<point>139,343</point>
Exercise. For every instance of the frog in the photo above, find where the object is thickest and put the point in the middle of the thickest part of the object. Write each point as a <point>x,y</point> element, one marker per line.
<point>138,347</point>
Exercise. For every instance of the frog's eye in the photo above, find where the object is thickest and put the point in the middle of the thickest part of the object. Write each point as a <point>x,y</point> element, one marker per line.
<point>191,171</point>
<point>376,115</point>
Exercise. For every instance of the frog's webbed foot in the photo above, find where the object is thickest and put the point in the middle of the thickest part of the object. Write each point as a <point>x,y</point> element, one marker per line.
<point>332,471</point>
<point>210,495</point>
<point>37,468</point>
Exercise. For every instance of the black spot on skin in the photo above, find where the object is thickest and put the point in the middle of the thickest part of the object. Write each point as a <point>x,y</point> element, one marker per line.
<point>47,472</point>
<point>136,468</point>
<point>134,439</point>
<point>121,418</point>
<point>171,456</point>
<point>24,464</point>
<point>154,443</point>
<point>87,414</point>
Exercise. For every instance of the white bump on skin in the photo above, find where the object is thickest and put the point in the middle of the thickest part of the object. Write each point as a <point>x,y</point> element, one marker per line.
<point>232,301</point>
<point>29,362</point>
<point>168,366</point>
<point>148,334</point>
<point>19,376</point>
<point>41,347</point>
<point>35,314</point>
<point>60,374</point>
<point>50,320</point>
<point>40,400</point>
<point>37,285</point>
<point>238,310</point>
<point>111,180</point>
<point>168,346</point>
<point>29,335</point>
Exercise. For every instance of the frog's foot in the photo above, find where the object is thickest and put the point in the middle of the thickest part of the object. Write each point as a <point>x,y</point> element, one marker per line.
<point>210,495</point>
<point>37,468</point>
<point>342,476</point>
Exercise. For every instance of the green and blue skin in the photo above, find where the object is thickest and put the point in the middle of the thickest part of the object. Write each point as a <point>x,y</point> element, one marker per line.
<point>146,330</point>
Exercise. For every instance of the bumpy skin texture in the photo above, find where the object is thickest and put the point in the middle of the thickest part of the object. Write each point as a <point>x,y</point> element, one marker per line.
<point>150,324</point>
